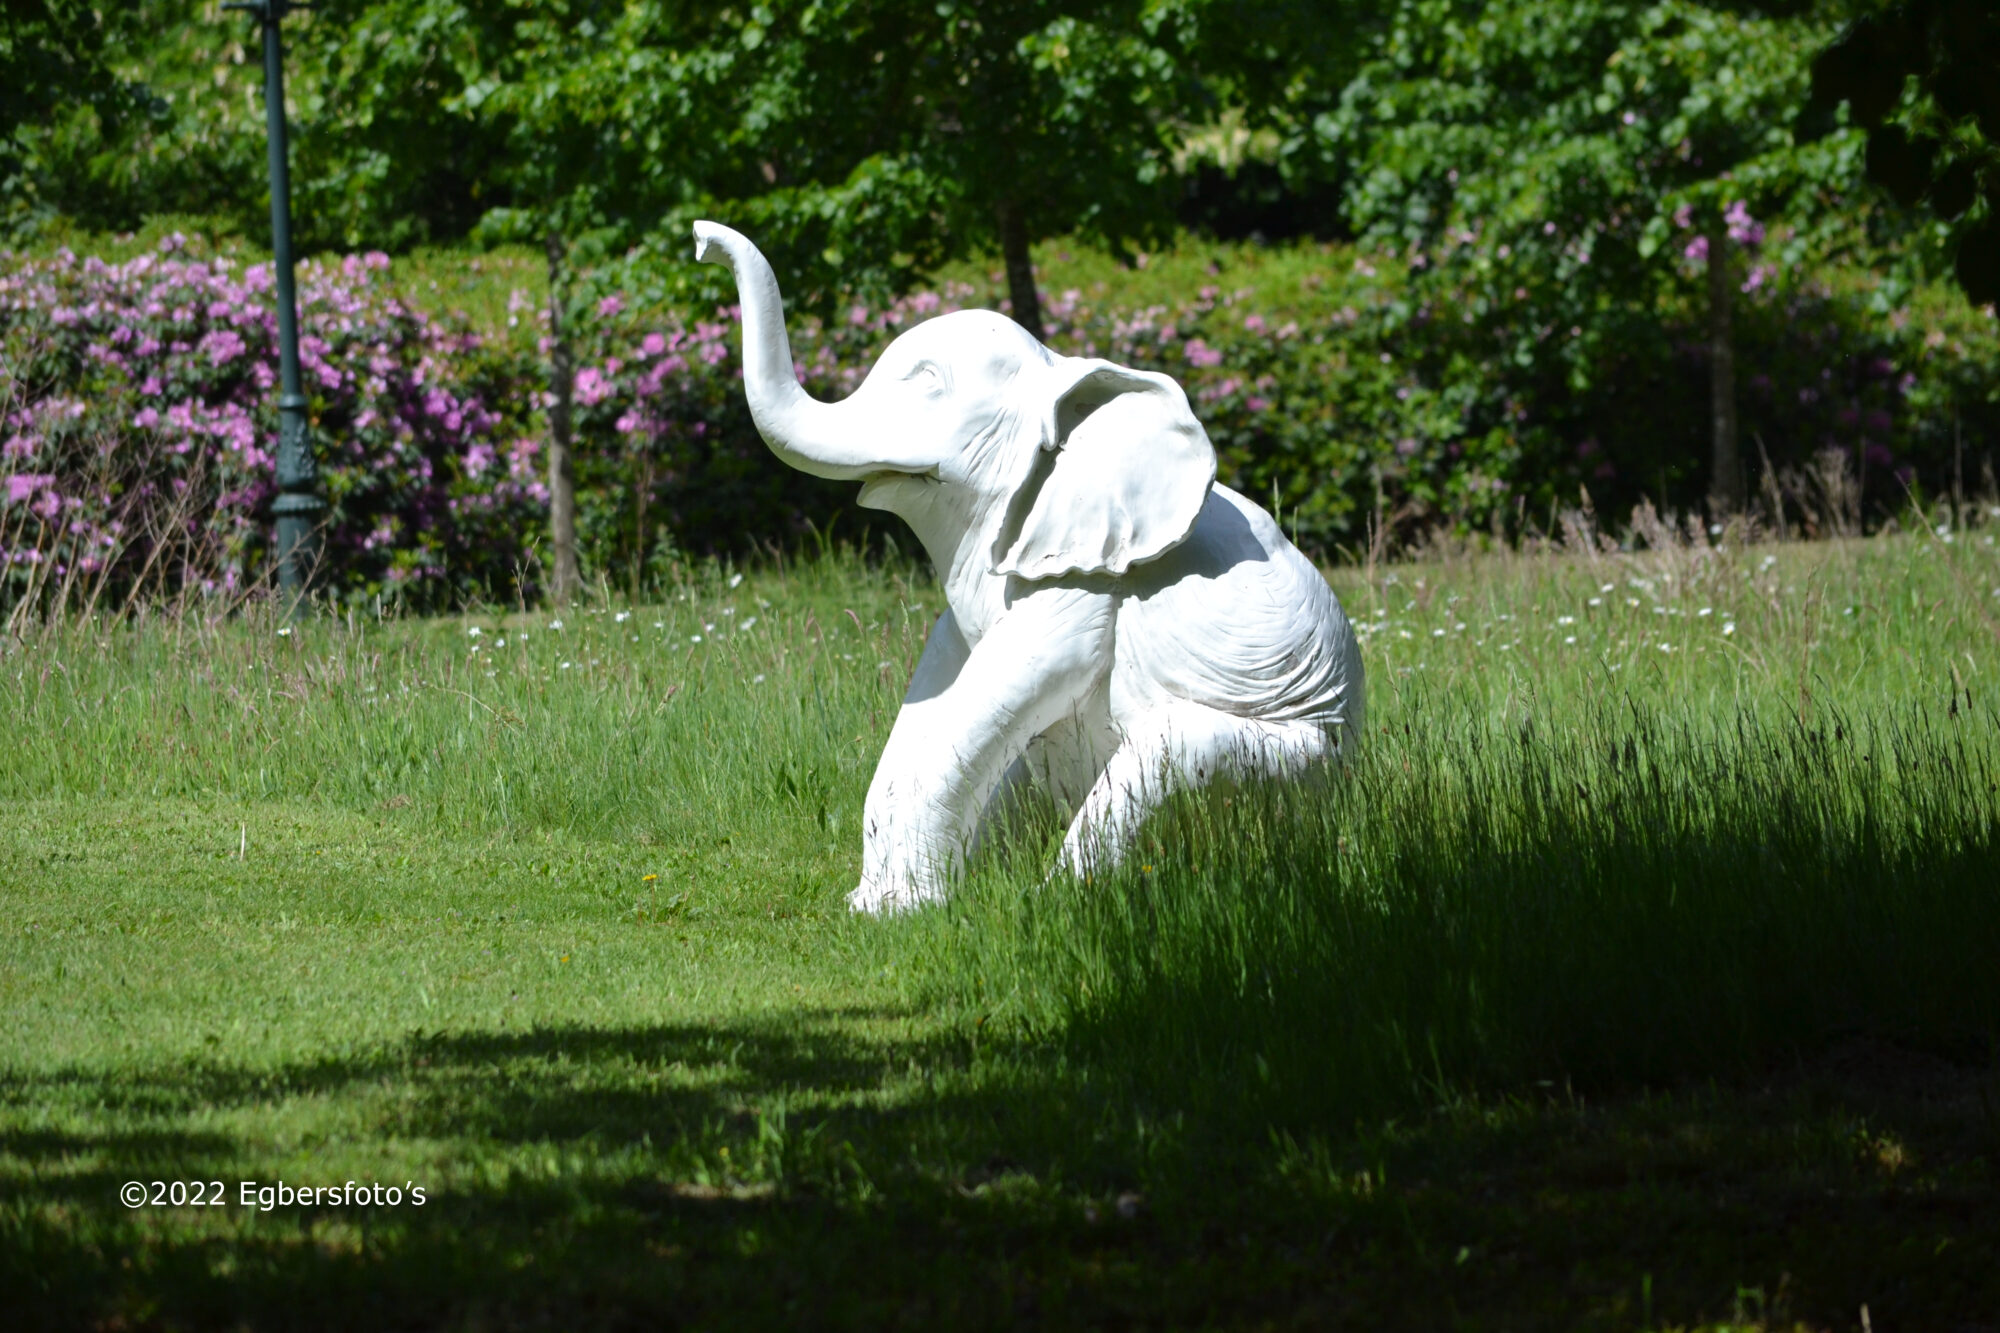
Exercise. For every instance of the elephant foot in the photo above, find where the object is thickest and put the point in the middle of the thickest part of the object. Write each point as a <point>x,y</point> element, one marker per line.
<point>879,899</point>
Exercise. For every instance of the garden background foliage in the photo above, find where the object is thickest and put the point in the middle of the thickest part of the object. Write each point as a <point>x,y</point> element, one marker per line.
<point>1419,264</point>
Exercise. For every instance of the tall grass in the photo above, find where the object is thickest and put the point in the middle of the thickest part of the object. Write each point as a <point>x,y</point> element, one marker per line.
<point>1620,817</point>
<point>1620,894</point>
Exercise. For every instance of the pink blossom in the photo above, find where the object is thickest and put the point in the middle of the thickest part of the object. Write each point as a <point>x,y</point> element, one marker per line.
<point>590,387</point>
<point>1743,229</point>
<point>610,306</point>
<point>652,345</point>
<point>1199,353</point>
<point>22,485</point>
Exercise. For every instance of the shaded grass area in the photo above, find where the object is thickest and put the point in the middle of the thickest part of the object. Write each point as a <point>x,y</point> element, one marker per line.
<point>1613,899</point>
<point>1619,988</point>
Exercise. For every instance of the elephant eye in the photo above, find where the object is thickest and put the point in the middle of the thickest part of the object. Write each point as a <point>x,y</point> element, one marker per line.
<point>927,375</point>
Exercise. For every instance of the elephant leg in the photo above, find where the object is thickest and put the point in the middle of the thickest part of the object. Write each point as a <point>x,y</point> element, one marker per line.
<point>1060,766</point>
<point>1180,744</point>
<point>953,742</point>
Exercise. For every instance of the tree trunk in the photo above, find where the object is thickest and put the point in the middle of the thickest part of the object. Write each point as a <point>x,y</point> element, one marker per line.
<point>1020,267</point>
<point>1725,492</point>
<point>565,576</point>
<point>642,493</point>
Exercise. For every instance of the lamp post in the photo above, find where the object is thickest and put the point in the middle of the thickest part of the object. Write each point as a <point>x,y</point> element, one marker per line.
<point>298,506</point>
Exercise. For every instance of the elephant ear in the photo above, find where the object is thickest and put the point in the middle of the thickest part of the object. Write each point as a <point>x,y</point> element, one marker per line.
<point>1130,471</point>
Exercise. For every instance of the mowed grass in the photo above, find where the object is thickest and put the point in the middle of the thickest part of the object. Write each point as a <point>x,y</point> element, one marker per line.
<point>1613,985</point>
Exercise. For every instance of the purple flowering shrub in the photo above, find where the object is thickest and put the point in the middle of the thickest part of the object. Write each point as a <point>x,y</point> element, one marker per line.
<point>1385,395</point>
<point>136,412</point>
<point>668,457</point>
<point>139,419</point>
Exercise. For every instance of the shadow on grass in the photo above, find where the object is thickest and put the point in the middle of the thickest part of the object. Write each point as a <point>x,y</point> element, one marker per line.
<point>806,1176</point>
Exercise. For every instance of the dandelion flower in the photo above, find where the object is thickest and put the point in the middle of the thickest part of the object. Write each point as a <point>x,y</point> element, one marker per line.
<point>648,878</point>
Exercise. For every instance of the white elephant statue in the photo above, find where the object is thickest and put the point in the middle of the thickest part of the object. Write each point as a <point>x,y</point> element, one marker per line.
<point>1118,622</point>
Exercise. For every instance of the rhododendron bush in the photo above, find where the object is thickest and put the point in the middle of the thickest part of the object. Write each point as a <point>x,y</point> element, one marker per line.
<point>137,417</point>
<point>140,416</point>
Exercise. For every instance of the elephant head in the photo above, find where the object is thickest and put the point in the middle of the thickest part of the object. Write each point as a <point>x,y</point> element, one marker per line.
<point>970,428</point>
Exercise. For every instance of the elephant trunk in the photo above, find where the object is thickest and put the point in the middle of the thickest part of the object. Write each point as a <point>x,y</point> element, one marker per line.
<point>812,436</point>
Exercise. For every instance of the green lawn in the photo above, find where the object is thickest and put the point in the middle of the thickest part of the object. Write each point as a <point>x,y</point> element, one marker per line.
<point>1615,986</point>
